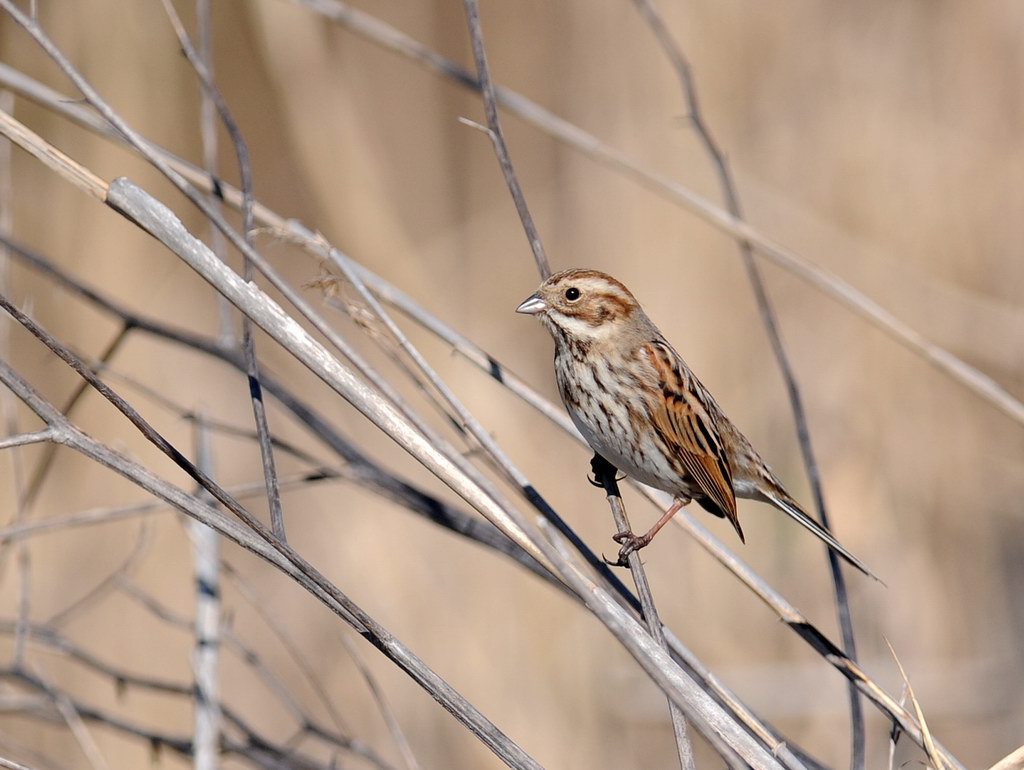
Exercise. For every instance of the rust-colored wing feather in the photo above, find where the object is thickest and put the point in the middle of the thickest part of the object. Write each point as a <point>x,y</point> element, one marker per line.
<point>684,418</point>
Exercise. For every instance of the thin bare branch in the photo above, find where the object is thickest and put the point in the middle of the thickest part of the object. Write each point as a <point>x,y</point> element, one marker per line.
<point>206,655</point>
<point>476,38</point>
<point>9,764</point>
<point>394,727</point>
<point>208,134</point>
<point>802,626</point>
<point>24,554</point>
<point>1012,761</point>
<point>252,748</point>
<point>45,462</point>
<point>285,638</point>
<point>703,712</point>
<point>8,405</point>
<point>604,474</point>
<point>213,95</point>
<point>251,658</point>
<point>24,439</point>
<point>39,760</point>
<point>929,744</point>
<point>245,653</point>
<point>103,587</point>
<point>69,713</point>
<point>50,156</point>
<point>95,516</point>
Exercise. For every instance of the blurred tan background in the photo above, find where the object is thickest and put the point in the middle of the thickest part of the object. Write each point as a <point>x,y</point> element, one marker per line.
<point>881,141</point>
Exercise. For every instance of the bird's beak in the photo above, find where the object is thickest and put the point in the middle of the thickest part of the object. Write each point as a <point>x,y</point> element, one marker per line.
<point>532,305</point>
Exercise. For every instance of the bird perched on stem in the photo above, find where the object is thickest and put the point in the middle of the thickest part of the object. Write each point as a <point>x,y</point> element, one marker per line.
<point>641,409</point>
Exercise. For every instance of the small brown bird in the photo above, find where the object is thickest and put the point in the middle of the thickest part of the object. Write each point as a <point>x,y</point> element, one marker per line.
<point>639,406</point>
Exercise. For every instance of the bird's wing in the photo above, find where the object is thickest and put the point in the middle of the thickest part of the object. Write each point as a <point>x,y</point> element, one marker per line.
<point>684,420</point>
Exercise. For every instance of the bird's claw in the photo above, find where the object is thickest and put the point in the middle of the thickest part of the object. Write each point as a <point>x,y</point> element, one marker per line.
<point>630,544</point>
<point>617,563</point>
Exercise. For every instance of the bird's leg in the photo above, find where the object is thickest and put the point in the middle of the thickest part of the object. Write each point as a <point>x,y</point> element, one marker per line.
<point>631,542</point>
<point>604,472</point>
<point>604,476</point>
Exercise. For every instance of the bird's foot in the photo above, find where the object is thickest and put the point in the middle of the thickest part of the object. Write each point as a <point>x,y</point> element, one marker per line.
<point>630,544</point>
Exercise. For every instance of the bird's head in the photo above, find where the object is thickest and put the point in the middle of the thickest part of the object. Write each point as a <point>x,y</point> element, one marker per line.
<point>585,304</point>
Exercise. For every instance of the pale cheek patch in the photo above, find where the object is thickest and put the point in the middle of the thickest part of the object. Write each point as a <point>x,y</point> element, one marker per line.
<point>580,329</point>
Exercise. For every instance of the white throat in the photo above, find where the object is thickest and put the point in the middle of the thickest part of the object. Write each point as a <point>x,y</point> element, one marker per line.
<point>580,329</point>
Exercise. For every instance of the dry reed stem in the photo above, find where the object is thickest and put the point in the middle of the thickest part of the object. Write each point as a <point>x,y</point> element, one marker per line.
<point>73,719</point>
<point>8,764</point>
<point>207,719</point>
<point>105,586</point>
<point>929,745</point>
<point>24,439</point>
<point>1012,761</point>
<point>383,706</point>
<point>604,474</point>
<point>212,97</point>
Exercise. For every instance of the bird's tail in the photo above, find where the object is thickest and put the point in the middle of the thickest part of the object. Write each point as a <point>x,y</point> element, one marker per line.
<point>787,505</point>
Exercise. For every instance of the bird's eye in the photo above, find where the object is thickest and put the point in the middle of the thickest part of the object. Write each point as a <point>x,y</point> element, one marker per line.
<point>572,294</point>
